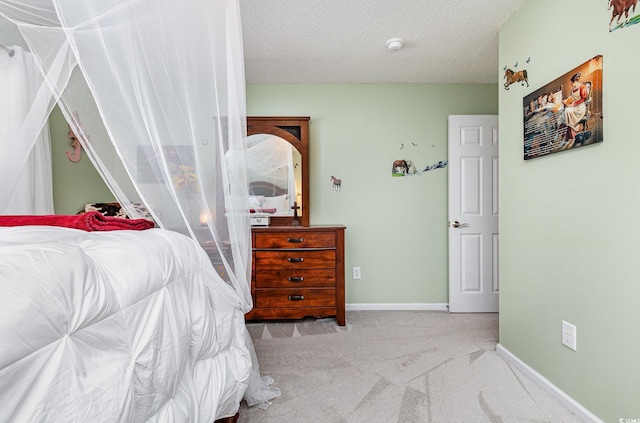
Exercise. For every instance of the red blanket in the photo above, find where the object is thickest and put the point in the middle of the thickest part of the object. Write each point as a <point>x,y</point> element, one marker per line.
<point>90,221</point>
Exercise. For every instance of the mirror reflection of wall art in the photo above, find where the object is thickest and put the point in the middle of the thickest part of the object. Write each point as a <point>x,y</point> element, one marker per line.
<point>180,163</point>
<point>566,113</point>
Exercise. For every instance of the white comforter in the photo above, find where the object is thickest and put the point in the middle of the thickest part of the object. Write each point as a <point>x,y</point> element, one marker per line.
<point>116,326</point>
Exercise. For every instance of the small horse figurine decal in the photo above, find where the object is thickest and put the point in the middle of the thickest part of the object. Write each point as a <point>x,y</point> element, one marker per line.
<point>337,183</point>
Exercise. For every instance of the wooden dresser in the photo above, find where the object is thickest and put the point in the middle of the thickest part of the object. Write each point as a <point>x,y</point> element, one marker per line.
<point>297,272</point>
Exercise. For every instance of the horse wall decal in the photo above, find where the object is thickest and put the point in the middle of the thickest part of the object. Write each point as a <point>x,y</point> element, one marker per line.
<point>513,77</point>
<point>337,183</point>
<point>407,168</point>
<point>621,7</point>
<point>400,166</point>
<point>403,167</point>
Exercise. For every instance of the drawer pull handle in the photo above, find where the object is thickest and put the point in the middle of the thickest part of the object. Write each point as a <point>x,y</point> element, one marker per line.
<point>295,278</point>
<point>295,240</point>
<point>296,297</point>
<point>295,259</point>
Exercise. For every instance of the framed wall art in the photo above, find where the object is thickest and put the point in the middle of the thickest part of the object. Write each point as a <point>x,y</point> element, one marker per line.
<point>566,113</point>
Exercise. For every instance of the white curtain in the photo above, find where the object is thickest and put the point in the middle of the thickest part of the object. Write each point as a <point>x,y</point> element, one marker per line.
<point>154,90</point>
<point>25,152</point>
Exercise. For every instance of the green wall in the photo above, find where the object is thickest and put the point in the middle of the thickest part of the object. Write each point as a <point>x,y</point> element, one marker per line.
<point>396,227</point>
<point>568,249</point>
<point>74,184</point>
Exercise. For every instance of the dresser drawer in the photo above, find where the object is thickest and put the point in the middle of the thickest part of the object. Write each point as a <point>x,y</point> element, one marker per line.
<point>295,278</point>
<point>300,297</point>
<point>295,239</point>
<point>297,272</point>
<point>299,259</point>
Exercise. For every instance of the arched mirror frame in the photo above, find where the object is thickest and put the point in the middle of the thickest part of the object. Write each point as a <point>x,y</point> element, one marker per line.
<point>295,130</point>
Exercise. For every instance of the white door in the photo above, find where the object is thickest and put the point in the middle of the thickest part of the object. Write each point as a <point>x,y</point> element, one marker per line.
<point>473,213</point>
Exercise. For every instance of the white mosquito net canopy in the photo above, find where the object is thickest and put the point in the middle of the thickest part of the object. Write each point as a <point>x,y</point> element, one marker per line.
<point>154,90</point>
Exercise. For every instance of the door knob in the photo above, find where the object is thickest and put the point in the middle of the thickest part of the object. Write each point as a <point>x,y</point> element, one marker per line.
<point>457,224</point>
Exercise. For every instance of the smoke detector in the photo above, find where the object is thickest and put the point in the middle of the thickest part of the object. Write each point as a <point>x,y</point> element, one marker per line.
<point>395,44</point>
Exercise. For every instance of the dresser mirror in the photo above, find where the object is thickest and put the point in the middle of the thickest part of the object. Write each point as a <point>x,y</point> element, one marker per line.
<point>277,160</point>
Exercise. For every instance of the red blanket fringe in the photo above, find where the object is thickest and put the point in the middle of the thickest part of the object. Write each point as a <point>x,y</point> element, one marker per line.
<point>90,221</point>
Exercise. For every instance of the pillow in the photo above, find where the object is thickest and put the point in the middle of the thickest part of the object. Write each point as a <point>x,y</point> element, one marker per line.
<point>255,201</point>
<point>280,203</point>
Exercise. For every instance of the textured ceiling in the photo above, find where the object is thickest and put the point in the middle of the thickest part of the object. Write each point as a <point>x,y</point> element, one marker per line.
<point>344,41</point>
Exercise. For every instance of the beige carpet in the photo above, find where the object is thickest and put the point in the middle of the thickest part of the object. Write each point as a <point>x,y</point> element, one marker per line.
<point>395,366</point>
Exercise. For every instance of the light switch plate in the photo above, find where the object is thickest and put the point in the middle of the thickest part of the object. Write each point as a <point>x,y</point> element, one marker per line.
<point>569,335</point>
<point>357,274</point>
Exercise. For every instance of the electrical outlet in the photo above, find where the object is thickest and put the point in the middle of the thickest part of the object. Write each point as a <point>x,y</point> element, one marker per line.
<point>569,335</point>
<point>356,273</point>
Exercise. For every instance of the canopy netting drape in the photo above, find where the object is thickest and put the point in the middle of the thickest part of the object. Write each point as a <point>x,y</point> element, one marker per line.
<point>25,156</point>
<point>154,90</point>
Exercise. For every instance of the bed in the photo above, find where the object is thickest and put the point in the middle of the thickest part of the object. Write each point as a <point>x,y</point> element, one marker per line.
<point>116,326</point>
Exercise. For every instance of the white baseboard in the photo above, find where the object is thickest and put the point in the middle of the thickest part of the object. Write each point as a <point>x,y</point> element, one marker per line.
<point>397,306</point>
<point>544,383</point>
